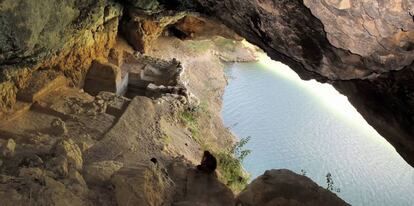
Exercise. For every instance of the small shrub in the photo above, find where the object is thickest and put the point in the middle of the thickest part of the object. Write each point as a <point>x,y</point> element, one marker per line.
<point>238,150</point>
<point>191,122</point>
<point>303,172</point>
<point>330,183</point>
<point>230,165</point>
<point>229,160</point>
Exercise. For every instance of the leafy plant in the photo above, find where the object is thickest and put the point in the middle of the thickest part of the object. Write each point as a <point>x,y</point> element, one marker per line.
<point>229,160</point>
<point>330,183</point>
<point>238,151</point>
<point>230,165</point>
<point>303,172</point>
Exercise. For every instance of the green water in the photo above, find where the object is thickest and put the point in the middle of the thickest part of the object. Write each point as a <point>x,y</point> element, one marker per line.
<point>308,126</point>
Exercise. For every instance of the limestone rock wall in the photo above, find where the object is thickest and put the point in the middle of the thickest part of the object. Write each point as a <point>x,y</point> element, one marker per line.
<point>64,35</point>
<point>325,40</point>
<point>351,42</point>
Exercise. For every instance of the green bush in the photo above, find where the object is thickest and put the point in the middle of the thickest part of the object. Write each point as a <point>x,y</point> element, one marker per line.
<point>229,160</point>
<point>230,165</point>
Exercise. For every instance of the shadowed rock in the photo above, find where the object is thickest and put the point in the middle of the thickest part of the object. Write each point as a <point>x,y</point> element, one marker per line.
<point>284,187</point>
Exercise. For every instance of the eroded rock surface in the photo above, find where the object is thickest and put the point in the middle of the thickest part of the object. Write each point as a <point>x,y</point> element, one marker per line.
<point>142,185</point>
<point>329,40</point>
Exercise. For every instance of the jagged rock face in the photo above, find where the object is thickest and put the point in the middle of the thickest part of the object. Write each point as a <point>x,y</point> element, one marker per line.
<point>141,30</point>
<point>31,30</point>
<point>196,27</point>
<point>324,46</point>
<point>387,103</point>
<point>377,28</point>
<point>65,36</point>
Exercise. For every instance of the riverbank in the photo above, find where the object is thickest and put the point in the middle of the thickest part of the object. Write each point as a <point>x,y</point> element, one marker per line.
<point>204,62</point>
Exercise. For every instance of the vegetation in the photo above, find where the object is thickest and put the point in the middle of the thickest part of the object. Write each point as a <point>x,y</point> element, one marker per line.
<point>230,165</point>
<point>167,139</point>
<point>229,160</point>
<point>220,43</point>
<point>330,183</point>
<point>190,118</point>
<point>224,44</point>
<point>199,46</point>
<point>303,172</point>
<point>191,122</point>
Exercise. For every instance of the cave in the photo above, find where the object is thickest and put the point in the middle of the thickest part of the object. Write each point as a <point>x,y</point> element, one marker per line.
<point>93,91</point>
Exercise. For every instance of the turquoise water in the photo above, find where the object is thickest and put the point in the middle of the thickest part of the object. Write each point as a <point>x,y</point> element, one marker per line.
<point>309,127</point>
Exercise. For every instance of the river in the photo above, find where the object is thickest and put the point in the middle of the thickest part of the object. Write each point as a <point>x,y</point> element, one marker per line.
<point>310,128</point>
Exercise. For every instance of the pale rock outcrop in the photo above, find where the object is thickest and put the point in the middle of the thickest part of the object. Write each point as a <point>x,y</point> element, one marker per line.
<point>104,76</point>
<point>8,147</point>
<point>71,151</point>
<point>142,185</point>
<point>101,172</point>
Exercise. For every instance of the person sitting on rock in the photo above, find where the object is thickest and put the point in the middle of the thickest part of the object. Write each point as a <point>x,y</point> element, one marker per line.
<point>208,163</point>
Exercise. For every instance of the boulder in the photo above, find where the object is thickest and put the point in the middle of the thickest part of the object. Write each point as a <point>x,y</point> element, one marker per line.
<point>284,187</point>
<point>7,149</point>
<point>76,177</point>
<point>31,173</point>
<point>55,193</point>
<point>58,165</point>
<point>10,197</point>
<point>142,185</point>
<point>71,151</point>
<point>104,76</point>
<point>59,127</point>
<point>41,84</point>
<point>101,172</point>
